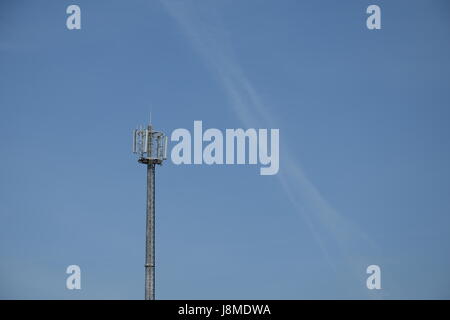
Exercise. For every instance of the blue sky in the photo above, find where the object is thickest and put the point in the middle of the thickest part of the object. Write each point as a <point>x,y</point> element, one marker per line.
<point>364,151</point>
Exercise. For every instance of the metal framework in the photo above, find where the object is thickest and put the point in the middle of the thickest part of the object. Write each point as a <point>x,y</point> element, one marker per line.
<point>151,146</point>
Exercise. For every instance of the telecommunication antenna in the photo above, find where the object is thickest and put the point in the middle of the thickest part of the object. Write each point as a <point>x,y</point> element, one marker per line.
<point>151,147</point>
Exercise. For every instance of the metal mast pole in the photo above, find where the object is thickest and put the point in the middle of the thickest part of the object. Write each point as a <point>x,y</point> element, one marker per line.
<point>150,225</point>
<point>150,235</point>
<point>151,146</point>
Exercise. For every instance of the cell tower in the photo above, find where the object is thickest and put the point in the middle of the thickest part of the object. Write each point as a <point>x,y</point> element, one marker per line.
<point>151,147</point>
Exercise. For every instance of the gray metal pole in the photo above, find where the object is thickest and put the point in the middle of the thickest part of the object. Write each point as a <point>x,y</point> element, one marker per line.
<point>150,235</point>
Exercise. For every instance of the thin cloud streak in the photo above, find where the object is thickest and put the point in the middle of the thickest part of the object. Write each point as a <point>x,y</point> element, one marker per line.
<point>334,233</point>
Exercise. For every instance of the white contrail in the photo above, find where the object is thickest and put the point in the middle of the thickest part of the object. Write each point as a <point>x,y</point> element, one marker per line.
<point>334,233</point>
